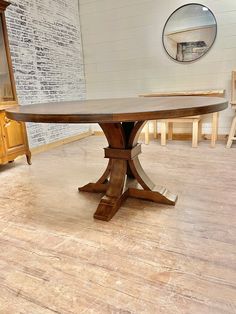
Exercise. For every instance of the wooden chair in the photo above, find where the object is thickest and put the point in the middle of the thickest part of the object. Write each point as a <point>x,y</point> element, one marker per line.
<point>167,125</point>
<point>232,132</point>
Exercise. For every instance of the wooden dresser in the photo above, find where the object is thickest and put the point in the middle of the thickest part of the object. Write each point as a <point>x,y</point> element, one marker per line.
<point>13,137</point>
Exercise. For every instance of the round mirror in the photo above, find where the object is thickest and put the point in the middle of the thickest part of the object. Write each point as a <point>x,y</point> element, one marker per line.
<point>189,32</point>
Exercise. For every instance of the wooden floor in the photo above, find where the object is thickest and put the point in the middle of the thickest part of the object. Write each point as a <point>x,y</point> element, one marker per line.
<point>150,258</point>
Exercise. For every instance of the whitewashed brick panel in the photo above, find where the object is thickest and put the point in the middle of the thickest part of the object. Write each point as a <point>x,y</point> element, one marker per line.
<point>46,50</point>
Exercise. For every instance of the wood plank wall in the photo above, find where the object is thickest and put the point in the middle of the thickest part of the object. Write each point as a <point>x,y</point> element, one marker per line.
<point>124,55</point>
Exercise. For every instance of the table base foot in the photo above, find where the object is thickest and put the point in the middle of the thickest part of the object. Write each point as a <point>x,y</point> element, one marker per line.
<point>94,188</point>
<point>108,207</point>
<point>162,196</point>
<point>124,173</point>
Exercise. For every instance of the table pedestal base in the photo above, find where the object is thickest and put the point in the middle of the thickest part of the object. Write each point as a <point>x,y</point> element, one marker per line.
<point>124,176</point>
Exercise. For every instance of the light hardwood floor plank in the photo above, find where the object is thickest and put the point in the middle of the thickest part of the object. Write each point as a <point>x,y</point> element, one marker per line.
<point>150,258</point>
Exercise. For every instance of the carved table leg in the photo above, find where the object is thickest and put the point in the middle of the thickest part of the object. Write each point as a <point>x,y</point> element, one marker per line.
<point>123,163</point>
<point>149,192</point>
<point>114,196</point>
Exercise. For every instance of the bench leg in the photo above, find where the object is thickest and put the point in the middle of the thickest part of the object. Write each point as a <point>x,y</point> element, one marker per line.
<point>231,133</point>
<point>195,133</point>
<point>170,131</point>
<point>155,129</point>
<point>214,132</point>
<point>163,132</point>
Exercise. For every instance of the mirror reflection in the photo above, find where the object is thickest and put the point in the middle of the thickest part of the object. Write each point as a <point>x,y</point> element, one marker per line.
<point>189,32</point>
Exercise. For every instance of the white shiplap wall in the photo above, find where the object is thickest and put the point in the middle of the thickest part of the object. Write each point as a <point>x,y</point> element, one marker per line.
<point>124,56</point>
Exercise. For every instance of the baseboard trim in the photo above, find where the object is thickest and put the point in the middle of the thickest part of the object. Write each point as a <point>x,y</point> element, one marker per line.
<point>46,147</point>
<point>176,136</point>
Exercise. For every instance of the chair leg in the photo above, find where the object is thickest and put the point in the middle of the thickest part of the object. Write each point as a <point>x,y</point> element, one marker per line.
<point>163,132</point>
<point>170,131</point>
<point>146,130</point>
<point>195,133</point>
<point>214,132</point>
<point>155,129</point>
<point>231,133</point>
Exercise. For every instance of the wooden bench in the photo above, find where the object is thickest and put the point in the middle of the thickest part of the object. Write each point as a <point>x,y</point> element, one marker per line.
<point>167,125</point>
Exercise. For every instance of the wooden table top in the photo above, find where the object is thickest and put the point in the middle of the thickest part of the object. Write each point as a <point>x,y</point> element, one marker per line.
<point>117,110</point>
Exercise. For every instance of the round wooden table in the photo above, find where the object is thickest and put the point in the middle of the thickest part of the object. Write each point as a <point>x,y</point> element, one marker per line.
<point>122,121</point>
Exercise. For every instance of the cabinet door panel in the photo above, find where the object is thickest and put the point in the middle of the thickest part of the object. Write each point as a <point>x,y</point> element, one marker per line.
<point>2,148</point>
<point>13,141</point>
<point>2,139</point>
<point>14,135</point>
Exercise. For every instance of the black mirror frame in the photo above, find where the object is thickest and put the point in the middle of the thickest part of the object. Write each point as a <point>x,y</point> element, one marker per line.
<point>182,6</point>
